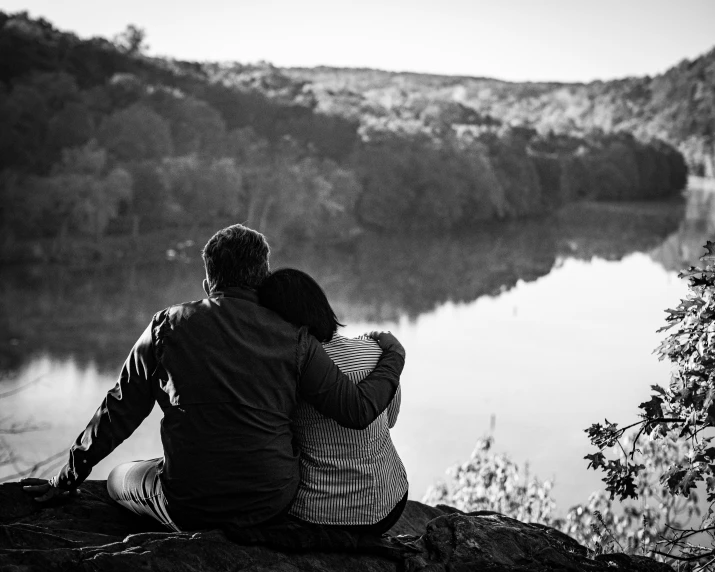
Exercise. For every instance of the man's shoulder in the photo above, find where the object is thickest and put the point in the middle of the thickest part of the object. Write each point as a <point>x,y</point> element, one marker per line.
<point>233,312</point>
<point>182,310</point>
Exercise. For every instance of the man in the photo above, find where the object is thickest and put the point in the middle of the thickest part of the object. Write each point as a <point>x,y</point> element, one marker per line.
<point>227,373</point>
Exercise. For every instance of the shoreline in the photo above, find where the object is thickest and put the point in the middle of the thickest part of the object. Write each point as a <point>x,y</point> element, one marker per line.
<point>183,244</point>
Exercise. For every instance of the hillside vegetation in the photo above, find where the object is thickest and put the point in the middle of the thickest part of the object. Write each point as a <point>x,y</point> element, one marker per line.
<point>97,138</point>
<point>677,106</point>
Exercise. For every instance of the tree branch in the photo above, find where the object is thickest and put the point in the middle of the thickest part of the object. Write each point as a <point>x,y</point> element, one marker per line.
<point>23,386</point>
<point>37,466</point>
<point>686,558</point>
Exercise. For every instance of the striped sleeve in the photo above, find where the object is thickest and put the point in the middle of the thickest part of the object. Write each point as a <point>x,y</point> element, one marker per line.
<point>393,409</point>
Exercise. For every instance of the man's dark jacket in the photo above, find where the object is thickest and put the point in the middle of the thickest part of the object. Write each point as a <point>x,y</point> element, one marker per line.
<point>227,373</point>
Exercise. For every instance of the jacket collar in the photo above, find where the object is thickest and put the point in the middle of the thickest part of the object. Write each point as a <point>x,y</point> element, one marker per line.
<point>236,292</point>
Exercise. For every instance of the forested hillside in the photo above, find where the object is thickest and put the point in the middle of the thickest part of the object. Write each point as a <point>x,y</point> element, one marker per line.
<point>99,139</point>
<point>677,106</point>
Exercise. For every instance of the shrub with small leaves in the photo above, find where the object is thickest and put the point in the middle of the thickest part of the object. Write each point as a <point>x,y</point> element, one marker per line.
<point>491,481</point>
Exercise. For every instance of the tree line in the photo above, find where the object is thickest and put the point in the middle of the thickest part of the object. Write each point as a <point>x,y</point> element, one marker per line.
<point>99,139</point>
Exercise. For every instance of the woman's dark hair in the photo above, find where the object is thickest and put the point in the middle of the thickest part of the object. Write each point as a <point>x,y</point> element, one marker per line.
<point>298,299</point>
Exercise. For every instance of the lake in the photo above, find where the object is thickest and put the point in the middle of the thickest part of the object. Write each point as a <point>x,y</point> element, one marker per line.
<point>547,326</point>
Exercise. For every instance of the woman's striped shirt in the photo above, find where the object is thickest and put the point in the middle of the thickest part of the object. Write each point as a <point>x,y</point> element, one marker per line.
<point>348,476</point>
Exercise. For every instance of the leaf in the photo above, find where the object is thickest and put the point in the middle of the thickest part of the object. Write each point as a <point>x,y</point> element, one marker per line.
<point>687,304</point>
<point>658,389</point>
<point>710,487</point>
<point>691,271</point>
<point>699,281</point>
<point>686,395</point>
<point>672,477</point>
<point>701,375</point>
<point>705,456</point>
<point>687,483</point>
<point>596,460</point>
<point>710,254</point>
<point>674,315</point>
<point>652,408</point>
<point>603,437</point>
<point>666,327</point>
<point>621,480</point>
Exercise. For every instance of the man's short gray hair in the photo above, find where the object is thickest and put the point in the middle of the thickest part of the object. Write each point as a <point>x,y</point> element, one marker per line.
<point>236,256</point>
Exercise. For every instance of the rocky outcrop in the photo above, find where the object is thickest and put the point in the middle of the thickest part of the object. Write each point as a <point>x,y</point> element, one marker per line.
<point>90,532</point>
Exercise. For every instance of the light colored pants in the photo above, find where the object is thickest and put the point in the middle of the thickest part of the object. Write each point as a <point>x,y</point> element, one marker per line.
<point>136,486</point>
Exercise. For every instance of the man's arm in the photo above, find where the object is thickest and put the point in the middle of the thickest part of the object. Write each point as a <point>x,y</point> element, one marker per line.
<point>122,411</point>
<point>332,393</point>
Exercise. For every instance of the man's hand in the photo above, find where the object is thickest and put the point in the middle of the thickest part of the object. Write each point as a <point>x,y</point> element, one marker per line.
<point>44,488</point>
<point>388,342</point>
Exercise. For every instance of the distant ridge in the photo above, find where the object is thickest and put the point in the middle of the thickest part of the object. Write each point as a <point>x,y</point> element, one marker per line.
<point>677,106</point>
<point>339,69</point>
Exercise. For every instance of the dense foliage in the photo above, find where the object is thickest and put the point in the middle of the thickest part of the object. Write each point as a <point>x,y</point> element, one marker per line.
<point>684,413</point>
<point>116,142</point>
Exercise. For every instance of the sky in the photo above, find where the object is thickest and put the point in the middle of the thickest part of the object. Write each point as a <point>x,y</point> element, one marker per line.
<point>516,40</point>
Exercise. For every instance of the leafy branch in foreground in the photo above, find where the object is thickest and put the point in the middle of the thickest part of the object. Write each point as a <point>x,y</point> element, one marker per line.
<point>683,413</point>
<point>635,527</point>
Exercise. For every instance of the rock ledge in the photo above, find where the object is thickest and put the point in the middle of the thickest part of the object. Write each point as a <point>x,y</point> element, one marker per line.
<point>90,533</point>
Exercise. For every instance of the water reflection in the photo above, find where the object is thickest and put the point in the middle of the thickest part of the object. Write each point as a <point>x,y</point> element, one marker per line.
<point>547,358</point>
<point>685,246</point>
<point>94,315</point>
<point>540,323</point>
<point>385,278</point>
<point>48,403</point>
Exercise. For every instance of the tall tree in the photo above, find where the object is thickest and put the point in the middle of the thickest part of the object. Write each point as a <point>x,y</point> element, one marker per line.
<point>132,40</point>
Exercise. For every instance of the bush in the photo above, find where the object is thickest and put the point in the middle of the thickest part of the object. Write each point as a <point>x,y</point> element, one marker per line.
<point>494,482</point>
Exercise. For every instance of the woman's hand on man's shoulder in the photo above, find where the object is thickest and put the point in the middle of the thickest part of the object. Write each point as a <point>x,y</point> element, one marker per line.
<point>388,342</point>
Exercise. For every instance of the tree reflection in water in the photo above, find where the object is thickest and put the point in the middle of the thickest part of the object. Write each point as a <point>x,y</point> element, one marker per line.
<point>94,315</point>
<point>683,248</point>
<point>382,278</point>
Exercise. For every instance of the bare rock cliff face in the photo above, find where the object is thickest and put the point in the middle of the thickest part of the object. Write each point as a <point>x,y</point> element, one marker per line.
<point>90,532</point>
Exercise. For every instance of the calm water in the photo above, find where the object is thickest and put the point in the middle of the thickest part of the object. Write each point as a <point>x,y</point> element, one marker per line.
<point>546,325</point>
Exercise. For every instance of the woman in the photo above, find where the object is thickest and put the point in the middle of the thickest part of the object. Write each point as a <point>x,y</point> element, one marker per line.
<point>348,478</point>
